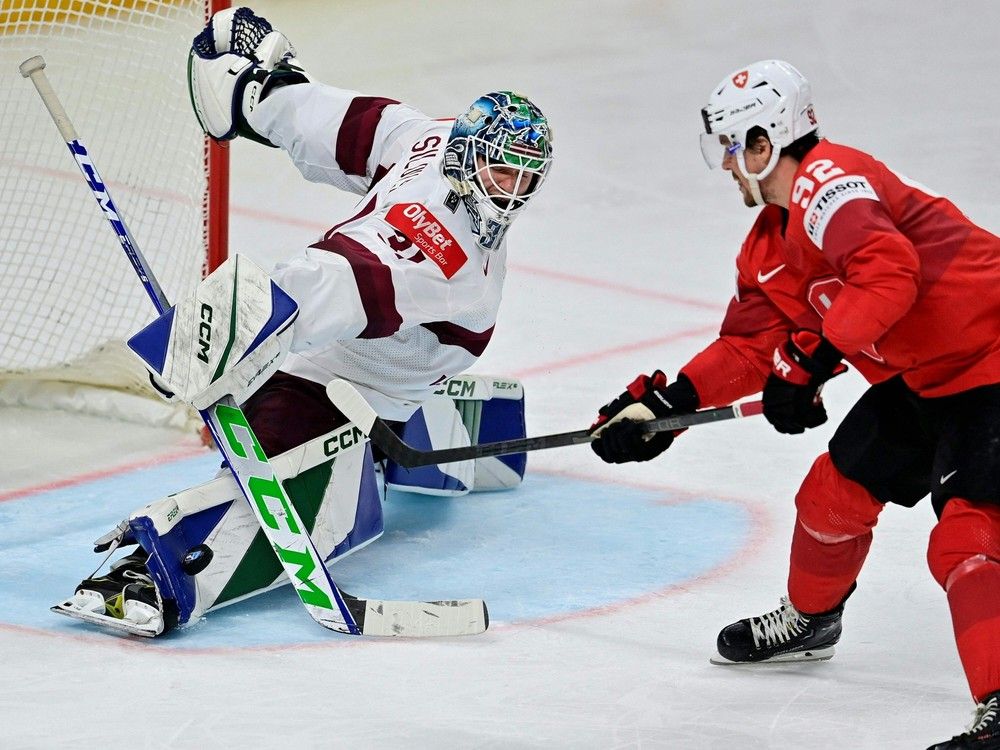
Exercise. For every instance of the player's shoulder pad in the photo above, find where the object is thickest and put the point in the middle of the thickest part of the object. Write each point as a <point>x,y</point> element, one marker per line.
<point>830,177</point>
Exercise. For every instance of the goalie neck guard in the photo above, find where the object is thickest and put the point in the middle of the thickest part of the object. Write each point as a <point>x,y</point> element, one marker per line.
<point>499,152</point>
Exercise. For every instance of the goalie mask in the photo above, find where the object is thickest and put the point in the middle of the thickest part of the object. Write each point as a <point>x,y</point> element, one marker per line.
<point>770,94</point>
<point>498,154</point>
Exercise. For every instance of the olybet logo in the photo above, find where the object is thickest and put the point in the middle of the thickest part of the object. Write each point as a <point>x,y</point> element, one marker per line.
<point>423,229</point>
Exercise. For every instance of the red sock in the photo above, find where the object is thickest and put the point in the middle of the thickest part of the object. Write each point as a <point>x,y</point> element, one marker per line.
<point>821,575</point>
<point>974,598</point>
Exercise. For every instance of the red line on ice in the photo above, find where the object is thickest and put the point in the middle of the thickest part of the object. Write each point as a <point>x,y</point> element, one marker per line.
<point>275,218</point>
<point>602,354</point>
<point>90,476</point>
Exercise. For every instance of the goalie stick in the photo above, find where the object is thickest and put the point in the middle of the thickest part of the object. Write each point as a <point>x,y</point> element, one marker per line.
<point>280,522</point>
<point>353,405</point>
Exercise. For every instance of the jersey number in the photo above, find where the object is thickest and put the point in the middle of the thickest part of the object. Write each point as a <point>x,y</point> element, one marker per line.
<point>822,170</point>
<point>403,247</point>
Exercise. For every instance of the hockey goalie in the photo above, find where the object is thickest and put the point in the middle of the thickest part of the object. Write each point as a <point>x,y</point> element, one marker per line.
<point>398,299</point>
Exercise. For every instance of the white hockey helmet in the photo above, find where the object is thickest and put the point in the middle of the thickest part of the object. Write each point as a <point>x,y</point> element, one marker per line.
<point>770,94</point>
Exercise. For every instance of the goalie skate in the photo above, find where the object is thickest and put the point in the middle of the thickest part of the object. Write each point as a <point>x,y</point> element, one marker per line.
<point>781,636</point>
<point>124,601</point>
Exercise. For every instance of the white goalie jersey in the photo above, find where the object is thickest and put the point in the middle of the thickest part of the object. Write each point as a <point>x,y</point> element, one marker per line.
<point>399,297</point>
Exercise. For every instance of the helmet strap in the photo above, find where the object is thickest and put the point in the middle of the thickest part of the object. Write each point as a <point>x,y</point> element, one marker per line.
<point>754,179</point>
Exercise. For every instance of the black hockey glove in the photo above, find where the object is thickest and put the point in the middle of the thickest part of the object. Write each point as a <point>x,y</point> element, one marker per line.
<point>620,438</point>
<point>802,364</point>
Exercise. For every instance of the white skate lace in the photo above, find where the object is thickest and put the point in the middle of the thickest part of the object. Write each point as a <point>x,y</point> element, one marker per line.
<point>138,577</point>
<point>984,715</point>
<point>777,626</point>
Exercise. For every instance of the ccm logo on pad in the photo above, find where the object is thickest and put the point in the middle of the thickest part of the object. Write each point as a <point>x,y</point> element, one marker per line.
<point>423,229</point>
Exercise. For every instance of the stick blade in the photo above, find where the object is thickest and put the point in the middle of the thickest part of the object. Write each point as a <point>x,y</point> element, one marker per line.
<point>441,619</point>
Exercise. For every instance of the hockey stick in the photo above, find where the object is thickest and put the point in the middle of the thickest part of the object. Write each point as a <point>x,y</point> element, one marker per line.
<point>353,405</point>
<point>280,522</point>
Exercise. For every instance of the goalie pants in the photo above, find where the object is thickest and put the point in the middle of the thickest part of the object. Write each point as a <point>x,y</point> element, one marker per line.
<point>896,447</point>
<point>288,411</point>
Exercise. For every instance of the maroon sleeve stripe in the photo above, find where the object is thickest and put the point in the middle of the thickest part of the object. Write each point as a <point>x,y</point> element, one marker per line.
<point>374,280</point>
<point>357,132</point>
<point>454,335</point>
<point>369,207</point>
<point>380,172</point>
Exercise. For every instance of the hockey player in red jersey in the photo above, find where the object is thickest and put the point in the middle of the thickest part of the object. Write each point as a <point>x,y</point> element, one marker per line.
<point>849,262</point>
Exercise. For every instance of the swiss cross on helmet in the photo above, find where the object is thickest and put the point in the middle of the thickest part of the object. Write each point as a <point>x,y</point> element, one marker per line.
<point>770,94</point>
<point>498,154</point>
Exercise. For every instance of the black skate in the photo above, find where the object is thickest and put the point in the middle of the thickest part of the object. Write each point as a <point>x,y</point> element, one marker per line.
<point>125,600</point>
<point>984,734</point>
<point>784,635</point>
<point>130,569</point>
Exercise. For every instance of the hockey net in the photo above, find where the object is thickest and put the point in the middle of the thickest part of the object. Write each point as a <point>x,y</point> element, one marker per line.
<point>68,297</point>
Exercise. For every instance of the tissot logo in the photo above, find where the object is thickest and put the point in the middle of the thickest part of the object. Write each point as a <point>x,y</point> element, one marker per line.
<point>830,198</point>
<point>740,79</point>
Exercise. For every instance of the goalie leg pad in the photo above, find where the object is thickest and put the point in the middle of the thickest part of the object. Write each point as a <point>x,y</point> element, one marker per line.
<point>500,418</point>
<point>206,546</point>
<point>466,410</point>
<point>436,424</point>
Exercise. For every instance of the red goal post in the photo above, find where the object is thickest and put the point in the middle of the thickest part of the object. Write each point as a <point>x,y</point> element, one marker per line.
<point>67,296</point>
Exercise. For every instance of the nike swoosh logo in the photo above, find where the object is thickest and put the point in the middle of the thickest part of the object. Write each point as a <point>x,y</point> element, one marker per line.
<point>762,277</point>
<point>946,477</point>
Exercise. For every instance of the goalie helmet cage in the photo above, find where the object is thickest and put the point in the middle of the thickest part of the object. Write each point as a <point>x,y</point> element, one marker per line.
<point>68,298</point>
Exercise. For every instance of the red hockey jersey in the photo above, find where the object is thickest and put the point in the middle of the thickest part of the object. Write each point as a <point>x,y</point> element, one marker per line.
<point>894,276</point>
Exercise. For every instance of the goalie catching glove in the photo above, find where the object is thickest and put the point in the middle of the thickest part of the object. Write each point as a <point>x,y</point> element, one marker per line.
<point>236,61</point>
<point>226,339</point>
<point>618,434</point>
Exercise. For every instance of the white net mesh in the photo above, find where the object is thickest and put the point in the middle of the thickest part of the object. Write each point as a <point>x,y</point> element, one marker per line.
<point>68,296</point>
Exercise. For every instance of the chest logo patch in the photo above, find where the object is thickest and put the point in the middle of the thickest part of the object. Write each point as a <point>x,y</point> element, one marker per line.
<point>429,235</point>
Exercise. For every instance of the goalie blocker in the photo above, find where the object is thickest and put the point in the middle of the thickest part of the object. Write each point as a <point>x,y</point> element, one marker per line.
<point>206,549</point>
